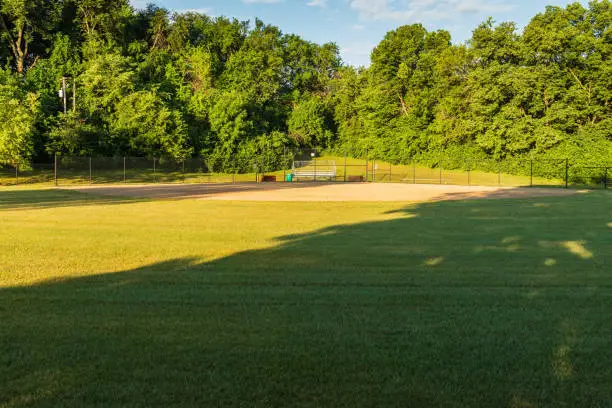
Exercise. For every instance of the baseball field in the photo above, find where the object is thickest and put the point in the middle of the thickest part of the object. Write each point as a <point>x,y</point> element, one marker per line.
<point>309,295</point>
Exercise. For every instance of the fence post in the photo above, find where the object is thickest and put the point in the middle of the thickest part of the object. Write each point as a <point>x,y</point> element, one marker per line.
<point>366,168</point>
<point>124,179</point>
<point>89,169</point>
<point>154,170</point>
<point>413,171</point>
<point>440,173</point>
<point>469,174</point>
<point>566,173</point>
<point>315,169</point>
<point>16,174</point>
<point>345,166</point>
<point>374,171</point>
<point>284,163</point>
<point>55,169</point>
<point>531,173</point>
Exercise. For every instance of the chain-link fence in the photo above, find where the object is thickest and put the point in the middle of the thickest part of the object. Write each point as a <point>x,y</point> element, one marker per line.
<point>308,165</point>
<point>34,173</point>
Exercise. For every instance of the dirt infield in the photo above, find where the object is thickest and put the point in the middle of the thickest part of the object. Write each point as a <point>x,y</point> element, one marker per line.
<point>319,191</point>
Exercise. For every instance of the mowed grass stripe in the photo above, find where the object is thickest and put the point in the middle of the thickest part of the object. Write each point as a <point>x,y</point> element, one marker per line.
<point>198,303</point>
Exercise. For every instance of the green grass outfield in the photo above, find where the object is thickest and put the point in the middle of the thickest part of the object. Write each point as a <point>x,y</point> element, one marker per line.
<point>129,303</point>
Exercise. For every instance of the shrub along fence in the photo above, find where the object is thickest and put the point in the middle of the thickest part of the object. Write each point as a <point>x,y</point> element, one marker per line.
<point>314,166</point>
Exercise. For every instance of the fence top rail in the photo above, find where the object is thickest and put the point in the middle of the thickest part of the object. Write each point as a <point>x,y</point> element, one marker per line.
<point>312,172</point>
<point>317,161</point>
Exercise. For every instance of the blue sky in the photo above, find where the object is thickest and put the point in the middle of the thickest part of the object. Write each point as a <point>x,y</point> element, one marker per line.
<point>358,25</point>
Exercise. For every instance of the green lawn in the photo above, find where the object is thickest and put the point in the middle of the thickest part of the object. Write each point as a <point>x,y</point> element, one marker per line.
<point>129,303</point>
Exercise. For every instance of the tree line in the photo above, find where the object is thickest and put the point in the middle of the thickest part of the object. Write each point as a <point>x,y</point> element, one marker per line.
<point>154,83</point>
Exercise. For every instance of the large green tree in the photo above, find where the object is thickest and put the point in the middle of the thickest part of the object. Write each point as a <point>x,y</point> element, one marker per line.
<point>151,82</point>
<point>27,26</point>
<point>18,114</point>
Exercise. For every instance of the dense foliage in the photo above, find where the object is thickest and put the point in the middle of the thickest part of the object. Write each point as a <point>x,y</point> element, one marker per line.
<point>152,83</point>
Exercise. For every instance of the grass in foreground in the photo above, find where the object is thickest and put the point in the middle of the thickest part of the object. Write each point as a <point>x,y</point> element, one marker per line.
<point>196,303</point>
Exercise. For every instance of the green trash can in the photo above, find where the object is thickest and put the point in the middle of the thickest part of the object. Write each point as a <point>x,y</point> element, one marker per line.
<point>289,177</point>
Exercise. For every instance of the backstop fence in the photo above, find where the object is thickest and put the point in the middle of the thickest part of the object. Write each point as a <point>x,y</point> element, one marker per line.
<point>308,166</point>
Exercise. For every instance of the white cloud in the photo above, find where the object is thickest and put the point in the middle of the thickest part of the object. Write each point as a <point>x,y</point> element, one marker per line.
<point>261,1</point>
<point>358,27</point>
<point>411,10</point>
<point>475,6</point>
<point>317,3</point>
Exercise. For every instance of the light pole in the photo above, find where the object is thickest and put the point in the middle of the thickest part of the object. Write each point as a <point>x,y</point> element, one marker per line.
<point>62,93</point>
<point>64,96</point>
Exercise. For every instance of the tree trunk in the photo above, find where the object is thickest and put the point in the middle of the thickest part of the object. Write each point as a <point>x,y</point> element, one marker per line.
<point>19,65</point>
<point>19,46</point>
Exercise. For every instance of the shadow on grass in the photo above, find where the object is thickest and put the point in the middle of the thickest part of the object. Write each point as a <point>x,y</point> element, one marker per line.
<point>186,191</point>
<point>516,192</point>
<point>453,304</point>
<point>21,199</point>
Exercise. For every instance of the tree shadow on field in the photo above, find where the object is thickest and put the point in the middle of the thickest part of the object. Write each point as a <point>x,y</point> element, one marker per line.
<point>187,191</point>
<point>21,199</point>
<point>26,199</point>
<point>450,304</point>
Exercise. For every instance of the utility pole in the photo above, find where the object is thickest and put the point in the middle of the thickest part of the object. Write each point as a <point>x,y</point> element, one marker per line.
<point>64,93</point>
